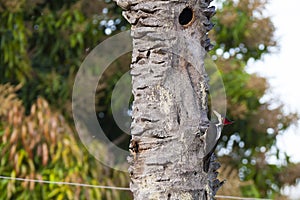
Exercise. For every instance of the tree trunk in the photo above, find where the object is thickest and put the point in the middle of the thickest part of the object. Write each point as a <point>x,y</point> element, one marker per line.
<point>170,108</point>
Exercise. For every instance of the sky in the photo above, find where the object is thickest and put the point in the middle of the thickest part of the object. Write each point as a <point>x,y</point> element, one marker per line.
<point>282,70</point>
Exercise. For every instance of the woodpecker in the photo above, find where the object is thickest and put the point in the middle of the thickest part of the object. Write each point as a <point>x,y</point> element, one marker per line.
<point>212,136</point>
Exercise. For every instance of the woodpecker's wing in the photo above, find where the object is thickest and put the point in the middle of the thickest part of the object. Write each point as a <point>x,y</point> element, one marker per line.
<point>212,136</point>
<point>213,133</point>
<point>211,139</point>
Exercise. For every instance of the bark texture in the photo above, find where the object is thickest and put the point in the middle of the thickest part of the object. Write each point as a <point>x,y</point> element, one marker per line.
<point>170,88</point>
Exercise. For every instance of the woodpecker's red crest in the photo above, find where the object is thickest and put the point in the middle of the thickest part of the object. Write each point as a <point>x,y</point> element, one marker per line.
<point>227,121</point>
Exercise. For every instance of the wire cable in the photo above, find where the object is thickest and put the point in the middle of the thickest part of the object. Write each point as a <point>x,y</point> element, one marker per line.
<point>64,183</point>
<point>106,187</point>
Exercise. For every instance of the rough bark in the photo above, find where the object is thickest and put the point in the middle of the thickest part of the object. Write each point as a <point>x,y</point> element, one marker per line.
<point>170,109</point>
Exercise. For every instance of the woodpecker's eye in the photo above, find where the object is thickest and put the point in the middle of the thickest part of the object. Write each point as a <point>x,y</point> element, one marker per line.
<point>186,16</point>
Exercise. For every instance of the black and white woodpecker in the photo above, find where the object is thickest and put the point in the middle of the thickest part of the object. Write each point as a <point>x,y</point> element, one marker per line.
<point>212,136</point>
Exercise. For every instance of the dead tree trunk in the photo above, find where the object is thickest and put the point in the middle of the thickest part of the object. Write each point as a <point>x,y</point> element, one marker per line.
<point>170,109</point>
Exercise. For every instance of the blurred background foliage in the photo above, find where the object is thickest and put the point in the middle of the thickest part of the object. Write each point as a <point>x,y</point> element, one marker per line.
<point>42,146</point>
<point>42,44</point>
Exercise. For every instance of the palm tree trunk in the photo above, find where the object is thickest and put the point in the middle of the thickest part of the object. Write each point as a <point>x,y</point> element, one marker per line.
<point>170,108</point>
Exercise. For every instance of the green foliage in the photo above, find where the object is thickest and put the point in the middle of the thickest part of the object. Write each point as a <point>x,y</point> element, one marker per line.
<point>44,42</point>
<point>242,33</point>
<point>250,191</point>
<point>241,27</point>
<point>42,146</point>
<point>14,61</point>
<point>42,46</point>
